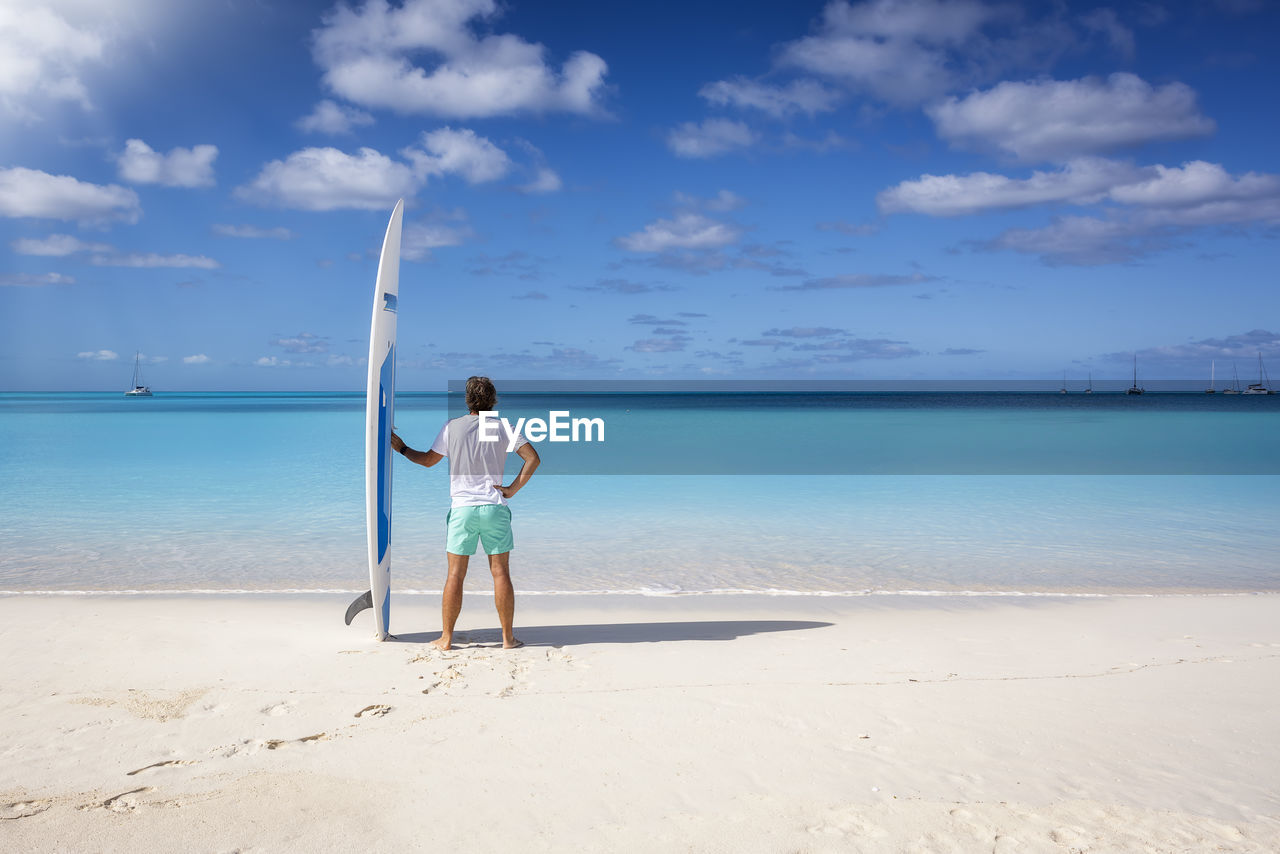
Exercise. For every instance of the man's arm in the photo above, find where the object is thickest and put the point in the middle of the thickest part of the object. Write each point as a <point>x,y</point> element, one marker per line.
<point>531,463</point>
<point>422,458</point>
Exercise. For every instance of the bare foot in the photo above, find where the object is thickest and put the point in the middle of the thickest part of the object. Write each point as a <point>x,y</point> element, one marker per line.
<point>512,644</point>
<point>443,643</point>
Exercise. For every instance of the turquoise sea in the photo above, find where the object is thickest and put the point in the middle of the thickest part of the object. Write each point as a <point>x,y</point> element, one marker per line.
<point>849,493</point>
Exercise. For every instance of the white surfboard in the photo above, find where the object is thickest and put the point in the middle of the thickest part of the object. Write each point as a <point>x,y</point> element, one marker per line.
<point>380,404</point>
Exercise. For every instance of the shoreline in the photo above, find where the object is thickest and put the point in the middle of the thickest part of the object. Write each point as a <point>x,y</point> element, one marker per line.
<point>644,723</point>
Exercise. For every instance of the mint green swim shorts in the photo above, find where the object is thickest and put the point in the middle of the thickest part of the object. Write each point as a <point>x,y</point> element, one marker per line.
<point>490,524</point>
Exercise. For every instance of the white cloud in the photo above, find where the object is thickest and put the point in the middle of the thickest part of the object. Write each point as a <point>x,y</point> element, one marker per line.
<point>685,231</point>
<point>711,137</point>
<point>896,50</point>
<point>799,96</point>
<point>326,179</point>
<point>98,355</point>
<point>1200,193</point>
<point>419,238</point>
<point>1060,119</point>
<point>1145,207</point>
<point>1080,182</point>
<point>197,359</point>
<point>32,193</point>
<point>368,55</point>
<point>56,246</point>
<point>545,181</point>
<point>34,280</point>
<point>181,167</point>
<point>43,58</point>
<point>152,259</point>
<point>331,118</point>
<point>253,232</point>
<point>1160,204</point>
<point>459,152</point>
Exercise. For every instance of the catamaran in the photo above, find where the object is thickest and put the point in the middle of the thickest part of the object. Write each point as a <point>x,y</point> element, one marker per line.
<point>138,390</point>
<point>1263,385</point>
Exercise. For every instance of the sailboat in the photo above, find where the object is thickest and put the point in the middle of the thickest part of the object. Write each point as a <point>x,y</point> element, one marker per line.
<point>1134,388</point>
<point>138,390</point>
<point>1210,389</point>
<point>1263,385</point>
<point>1234,388</point>
<point>1063,390</point>
<point>1089,390</point>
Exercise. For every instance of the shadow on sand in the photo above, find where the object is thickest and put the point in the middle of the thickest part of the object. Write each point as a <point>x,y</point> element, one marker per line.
<point>703,630</point>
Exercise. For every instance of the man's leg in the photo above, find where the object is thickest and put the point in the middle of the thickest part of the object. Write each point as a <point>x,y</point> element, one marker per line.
<point>451,601</point>
<point>504,597</point>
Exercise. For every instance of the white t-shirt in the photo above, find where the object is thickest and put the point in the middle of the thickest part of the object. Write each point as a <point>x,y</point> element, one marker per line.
<point>474,466</point>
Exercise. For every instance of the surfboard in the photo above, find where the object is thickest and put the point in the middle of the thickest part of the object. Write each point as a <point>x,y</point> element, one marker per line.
<point>380,404</point>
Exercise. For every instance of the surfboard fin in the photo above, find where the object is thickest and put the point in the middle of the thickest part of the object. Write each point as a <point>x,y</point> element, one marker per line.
<point>365,600</point>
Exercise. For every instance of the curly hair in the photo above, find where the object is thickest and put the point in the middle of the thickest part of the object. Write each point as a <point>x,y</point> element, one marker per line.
<point>481,395</point>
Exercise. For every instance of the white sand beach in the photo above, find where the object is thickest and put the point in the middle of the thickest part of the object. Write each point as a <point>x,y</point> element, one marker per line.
<point>241,723</point>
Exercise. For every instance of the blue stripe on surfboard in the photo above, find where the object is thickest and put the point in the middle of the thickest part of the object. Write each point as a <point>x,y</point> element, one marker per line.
<point>385,379</point>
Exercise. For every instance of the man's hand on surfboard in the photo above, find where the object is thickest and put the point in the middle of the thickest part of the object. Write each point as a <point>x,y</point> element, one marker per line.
<point>397,444</point>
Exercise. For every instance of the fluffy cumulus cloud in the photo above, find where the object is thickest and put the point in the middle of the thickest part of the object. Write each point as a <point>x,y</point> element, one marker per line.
<point>333,119</point>
<point>197,359</point>
<point>899,51</point>
<point>44,58</point>
<point>181,167</point>
<point>98,355</point>
<point>32,193</point>
<point>709,138</point>
<point>369,55</point>
<point>461,152</point>
<point>326,179</point>
<point>798,96</point>
<point>1060,119</point>
<point>1141,209</point>
<point>1082,181</point>
<point>686,230</point>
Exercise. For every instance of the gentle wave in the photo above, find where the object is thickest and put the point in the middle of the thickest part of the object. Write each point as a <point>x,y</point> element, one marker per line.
<point>656,593</point>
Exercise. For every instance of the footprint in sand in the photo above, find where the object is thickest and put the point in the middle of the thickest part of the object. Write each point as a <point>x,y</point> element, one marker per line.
<point>277,743</point>
<point>23,809</point>
<point>165,764</point>
<point>372,711</point>
<point>123,802</point>
<point>279,709</point>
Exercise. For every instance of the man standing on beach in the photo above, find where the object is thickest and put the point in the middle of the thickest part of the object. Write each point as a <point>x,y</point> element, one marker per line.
<point>479,510</point>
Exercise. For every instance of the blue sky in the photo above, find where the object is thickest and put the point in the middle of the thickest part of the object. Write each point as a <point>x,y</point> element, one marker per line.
<point>914,189</point>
